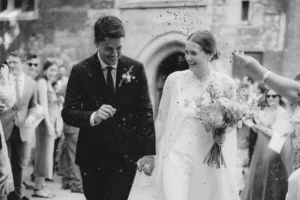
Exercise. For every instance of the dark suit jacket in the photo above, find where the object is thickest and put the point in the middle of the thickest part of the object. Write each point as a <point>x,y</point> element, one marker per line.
<point>132,126</point>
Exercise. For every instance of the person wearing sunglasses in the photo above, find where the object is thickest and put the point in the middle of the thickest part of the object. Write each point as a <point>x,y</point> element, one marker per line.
<point>33,66</point>
<point>270,169</point>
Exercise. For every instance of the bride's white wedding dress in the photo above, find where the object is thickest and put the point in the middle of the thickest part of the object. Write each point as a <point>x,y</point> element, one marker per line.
<point>183,142</point>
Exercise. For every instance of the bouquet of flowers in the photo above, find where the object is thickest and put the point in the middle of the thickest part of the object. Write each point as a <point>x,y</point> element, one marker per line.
<point>218,112</point>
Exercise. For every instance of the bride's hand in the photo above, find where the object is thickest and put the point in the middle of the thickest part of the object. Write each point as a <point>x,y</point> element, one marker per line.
<point>219,139</point>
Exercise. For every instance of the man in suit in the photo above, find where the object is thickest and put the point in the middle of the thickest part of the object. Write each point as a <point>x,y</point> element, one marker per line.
<point>18,141</point>
<point>108,99</point>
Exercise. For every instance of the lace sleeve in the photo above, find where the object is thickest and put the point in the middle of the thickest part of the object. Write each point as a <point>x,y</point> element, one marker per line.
<point>163,111</point>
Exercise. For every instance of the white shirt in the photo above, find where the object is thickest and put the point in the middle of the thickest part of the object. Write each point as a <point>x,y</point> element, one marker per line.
<point>114,76</point>
<point>21,80</point>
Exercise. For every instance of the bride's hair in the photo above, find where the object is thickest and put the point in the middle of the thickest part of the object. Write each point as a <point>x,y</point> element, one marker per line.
<point>207,41</point>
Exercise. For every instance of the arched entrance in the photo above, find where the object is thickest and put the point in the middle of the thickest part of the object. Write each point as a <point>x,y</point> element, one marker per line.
<point>172,63</point>
<point>160,57</point>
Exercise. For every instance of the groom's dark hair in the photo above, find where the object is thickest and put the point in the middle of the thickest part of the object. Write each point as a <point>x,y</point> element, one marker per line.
<point>108,27</point>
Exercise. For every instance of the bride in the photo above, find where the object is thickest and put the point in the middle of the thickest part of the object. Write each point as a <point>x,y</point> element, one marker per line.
<point>183,141</point>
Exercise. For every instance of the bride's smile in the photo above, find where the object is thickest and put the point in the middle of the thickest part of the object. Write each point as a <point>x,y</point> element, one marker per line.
<point>197,59</point>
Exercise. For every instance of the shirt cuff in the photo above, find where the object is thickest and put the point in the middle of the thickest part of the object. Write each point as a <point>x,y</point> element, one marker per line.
<point>92,120</point>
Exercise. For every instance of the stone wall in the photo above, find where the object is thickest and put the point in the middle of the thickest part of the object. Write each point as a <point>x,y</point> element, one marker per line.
<point>291,54</point>
<point>263,32</point>
<point>64,29</point>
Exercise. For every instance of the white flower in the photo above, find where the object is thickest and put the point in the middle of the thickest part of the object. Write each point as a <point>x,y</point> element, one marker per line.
<point>127,77</point>
<point>206,100</point>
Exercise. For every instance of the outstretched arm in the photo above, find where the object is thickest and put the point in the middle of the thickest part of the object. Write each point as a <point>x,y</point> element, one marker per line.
<point>282,85</point>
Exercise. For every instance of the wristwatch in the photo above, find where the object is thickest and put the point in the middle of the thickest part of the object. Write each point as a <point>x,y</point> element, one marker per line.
<point>266,75</point>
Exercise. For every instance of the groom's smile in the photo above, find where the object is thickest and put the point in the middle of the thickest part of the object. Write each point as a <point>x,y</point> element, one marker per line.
<point>110,50</point>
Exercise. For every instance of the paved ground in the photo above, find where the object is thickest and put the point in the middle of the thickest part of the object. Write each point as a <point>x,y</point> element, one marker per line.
<point>54,187</point>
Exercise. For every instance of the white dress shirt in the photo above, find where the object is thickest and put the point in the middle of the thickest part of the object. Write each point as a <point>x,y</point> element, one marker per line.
<point>104,69</point>
<point>114,76</point>
<point>21,80</point>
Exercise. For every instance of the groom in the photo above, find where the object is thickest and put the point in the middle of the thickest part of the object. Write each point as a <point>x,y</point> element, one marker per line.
<point>107,98</point>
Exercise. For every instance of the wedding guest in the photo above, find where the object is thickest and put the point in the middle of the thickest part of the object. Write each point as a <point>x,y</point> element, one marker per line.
<point>286,87</point>
<point>261,102</point>
<point>58,125</point>
<point>71,177</point>
<point>46,131</point>
<point>261,87</point>
<point>247,82</point>
<point>62,76</point>
<point>32,70</point>
<point>242,157</point>
<point>7,100</point>
<point>6,177</point>
<point>33,66</point>
<point>70,172</point>
<point>269,170</point>
<point>19,142</point>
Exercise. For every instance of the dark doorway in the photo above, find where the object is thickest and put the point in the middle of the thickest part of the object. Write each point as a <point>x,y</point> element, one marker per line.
<point>172,63</point>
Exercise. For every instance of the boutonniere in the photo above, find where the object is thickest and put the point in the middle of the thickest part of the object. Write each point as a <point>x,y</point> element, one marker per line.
<point>127,77</point>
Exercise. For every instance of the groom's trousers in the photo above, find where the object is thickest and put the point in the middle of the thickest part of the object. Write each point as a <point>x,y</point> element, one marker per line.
<point>111,182</point>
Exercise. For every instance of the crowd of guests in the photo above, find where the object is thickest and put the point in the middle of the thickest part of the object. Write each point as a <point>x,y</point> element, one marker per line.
<point>50,145</point>
<point>263,172</point>
<point>33,131</point>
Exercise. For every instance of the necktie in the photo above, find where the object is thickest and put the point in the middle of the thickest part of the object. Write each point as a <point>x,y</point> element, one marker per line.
<point>110,83</point>
<point>111,90</point>
<point>18,97</point>
<point>17,89</point>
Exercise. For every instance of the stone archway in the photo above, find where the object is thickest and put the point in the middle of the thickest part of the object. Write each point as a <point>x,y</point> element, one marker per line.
<point>156,53</point>
<point>172,63</point>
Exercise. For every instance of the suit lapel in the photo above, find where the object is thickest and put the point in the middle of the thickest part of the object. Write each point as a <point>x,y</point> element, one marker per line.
<point>98,80</point>
<point>121,69</point>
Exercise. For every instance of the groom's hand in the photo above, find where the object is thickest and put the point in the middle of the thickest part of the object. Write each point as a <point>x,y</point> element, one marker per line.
<point>104,112</point>
<point>146,164</point>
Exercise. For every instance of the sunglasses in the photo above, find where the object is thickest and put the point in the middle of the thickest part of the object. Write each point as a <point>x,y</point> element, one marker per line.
<point>273,96</point>
<point>32,64</point>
